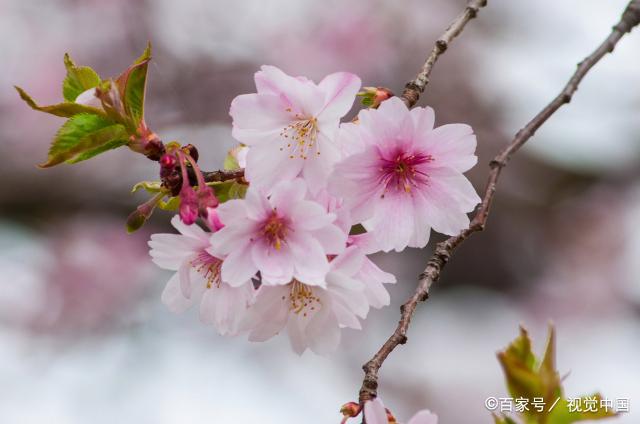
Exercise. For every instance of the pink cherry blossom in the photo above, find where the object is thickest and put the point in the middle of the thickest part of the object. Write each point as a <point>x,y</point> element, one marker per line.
<point>284,236</point>
<point>312,314</point>
<point>376,413</point>
<point>198,278</point>
<point>369,273</point>
<point>403,176</point>
<point>290,125</point>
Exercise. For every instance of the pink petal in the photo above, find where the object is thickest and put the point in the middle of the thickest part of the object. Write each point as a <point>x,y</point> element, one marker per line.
<point>238,268</point>
<point>323,332</point>
<point>348,262</point>
<point>258,118</point>
<point>317,168</point>
<point>423,119</point>
<point>275,266</point>
<point>225,307</point>
<point>296,334</point>
<point>310,260</point>
<point>374,411</point>
<point>286,195</point>
<point>231,211</point>
<point>424,417</point>
<point>185,279</point>
<point>332,238</point>
<point>437,211</point>
<point>193,231</point>
<point>267,165</point>
<point>173,298</point>
<point>452,146</point>
<point>340,91</point>
<point>269,314</point>
<point>229,239</point>
<point>348,291</point>
<point>302,95</point>
<point>309,216</point>
<point>393,222</point>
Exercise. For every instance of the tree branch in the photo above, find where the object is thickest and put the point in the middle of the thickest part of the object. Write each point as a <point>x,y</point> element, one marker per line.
<point>444,250</point>
<point>413,89</point>
<point>222,175</point>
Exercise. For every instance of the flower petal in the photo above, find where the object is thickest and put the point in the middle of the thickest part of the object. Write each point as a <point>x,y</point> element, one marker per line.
<point>238,267</point>
<point>375,412</point>
<point>340,91</point>
<point>424,417</point>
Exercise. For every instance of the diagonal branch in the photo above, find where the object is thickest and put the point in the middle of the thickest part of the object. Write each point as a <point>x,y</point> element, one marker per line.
<point>444,250</point>
<point>414,88</point>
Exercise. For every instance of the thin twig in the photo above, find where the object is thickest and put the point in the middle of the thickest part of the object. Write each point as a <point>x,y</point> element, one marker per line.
<point>414,88</point>
<point>221,175</point>
<point>444,250</point>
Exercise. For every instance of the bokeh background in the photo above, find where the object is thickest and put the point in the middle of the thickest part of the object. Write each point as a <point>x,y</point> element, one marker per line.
<point>83,335</point>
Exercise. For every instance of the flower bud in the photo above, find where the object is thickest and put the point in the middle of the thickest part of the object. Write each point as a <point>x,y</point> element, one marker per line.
<point>390,417</point>
<point>373,96</point>
<point>188,205</point>
<point>350,409</point>
<point>135,221</point>
<point>191,150</point>
<point>89,98</point>
<point>213,220</point>
<point>148,143</point>
<point>168,163</point>
<point>137,218</point>
<point>206,200</point>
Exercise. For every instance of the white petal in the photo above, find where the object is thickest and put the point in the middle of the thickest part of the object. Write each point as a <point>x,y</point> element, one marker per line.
<point>238,268</point>
<point>172,296</point>
<point>424,417</point>
<point>275,266</point>
<point>310,260</point>
<point>375,412</point>
<point>323,332</point>
<point>269,314</point>
<point>267,165</point>
<point>296,335</point>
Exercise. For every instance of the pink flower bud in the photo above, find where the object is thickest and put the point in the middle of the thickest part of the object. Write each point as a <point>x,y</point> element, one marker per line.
<point>188,205</point>
<point>206,199</point>
<point>168,161</point>
<point>213,220</point>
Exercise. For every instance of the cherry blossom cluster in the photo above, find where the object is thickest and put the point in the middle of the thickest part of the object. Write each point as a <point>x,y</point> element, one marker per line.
<point>293,254</point>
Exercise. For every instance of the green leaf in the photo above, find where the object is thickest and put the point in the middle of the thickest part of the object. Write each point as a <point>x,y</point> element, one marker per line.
<point>529,378</point>
<point>78,79</point>
<point>84,136</point>
<point>170,205</point>
<point>132,86</point>
<point>65,110</point>
<point>519,365</point>
<point>230,162</point>
<point>149,186</point>
<point>237,190</point>
<point>228,190</point>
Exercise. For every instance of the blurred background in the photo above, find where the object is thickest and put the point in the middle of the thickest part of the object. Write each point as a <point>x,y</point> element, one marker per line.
<point>83,335</point>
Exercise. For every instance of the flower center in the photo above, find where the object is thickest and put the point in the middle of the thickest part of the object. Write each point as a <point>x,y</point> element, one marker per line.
<point>300,136</point>
<point>301,299</point>
<point>402,173</point>
<point>274,230</point>
<point>209,267</point>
